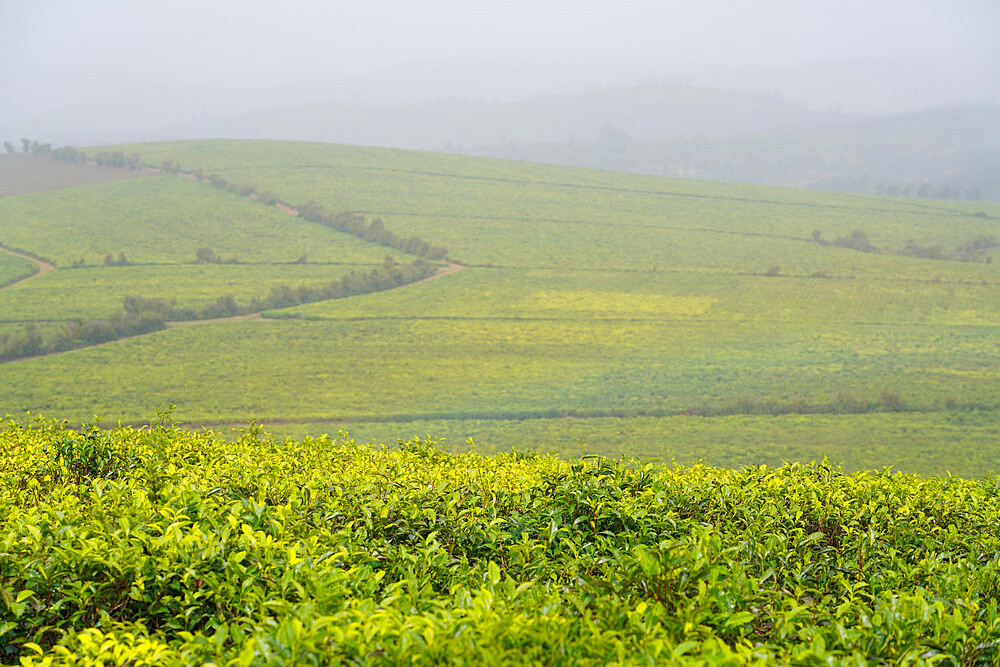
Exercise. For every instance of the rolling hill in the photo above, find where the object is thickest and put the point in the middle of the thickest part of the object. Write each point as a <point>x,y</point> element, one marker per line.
<point>610,312</point>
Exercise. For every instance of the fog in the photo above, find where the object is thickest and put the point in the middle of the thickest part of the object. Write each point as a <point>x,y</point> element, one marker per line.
<point>93,71</point>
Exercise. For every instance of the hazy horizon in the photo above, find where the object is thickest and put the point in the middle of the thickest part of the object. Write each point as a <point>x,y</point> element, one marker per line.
<point>110,70</point>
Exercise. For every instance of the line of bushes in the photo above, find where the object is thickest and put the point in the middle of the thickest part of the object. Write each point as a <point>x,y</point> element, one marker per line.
<point>286,296</point>
<point>971,251</point>
<point>140,315</point>
<point>374,231</point>
<point>78,333</point>
<point>343,221</point>
<point>70,154</point>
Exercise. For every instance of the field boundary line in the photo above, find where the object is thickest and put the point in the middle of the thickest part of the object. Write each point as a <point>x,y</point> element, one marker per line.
<point>529,416</point>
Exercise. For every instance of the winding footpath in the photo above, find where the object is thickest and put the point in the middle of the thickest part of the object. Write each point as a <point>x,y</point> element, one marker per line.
<point>43,267</point>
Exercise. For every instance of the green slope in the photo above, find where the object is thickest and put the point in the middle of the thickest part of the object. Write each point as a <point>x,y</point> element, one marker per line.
<point>588,294</point>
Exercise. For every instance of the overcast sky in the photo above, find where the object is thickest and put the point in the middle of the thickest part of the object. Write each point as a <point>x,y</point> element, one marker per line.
<point>82,65</point>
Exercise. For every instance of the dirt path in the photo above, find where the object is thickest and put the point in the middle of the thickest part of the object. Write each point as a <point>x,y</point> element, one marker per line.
<point>43,267</point>
<point>451,267</point>
<point>235,318</point>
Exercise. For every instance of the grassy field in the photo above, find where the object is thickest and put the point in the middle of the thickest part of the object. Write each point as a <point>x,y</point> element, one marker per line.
<point>625,302</point>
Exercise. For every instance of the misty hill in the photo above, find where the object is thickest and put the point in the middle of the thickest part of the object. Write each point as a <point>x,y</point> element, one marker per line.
<point>668,129</point>
<point>652,111</point>
<point>942,153</point>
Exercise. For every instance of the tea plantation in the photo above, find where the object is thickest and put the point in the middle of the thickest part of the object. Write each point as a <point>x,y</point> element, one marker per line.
<point>160,546</point>
<point>645,316</point>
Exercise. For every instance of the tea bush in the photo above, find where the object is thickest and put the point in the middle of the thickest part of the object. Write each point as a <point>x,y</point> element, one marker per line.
<point>161,546</point>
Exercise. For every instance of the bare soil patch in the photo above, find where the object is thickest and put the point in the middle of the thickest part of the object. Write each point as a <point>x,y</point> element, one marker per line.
<point>22,174</point>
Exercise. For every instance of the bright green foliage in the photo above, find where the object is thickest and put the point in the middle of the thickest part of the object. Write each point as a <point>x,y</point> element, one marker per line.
<point>162,547</point>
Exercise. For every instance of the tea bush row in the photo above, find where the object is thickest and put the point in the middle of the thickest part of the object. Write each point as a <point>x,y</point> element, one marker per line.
<point>157,546</point>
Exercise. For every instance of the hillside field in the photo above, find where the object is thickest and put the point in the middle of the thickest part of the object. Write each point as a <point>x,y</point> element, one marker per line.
<point>617,313</point>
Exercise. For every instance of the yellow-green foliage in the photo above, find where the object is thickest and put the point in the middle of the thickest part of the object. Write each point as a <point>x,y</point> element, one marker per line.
<point>670,297</point>
<point>163,547</point>
<point>166,219</point>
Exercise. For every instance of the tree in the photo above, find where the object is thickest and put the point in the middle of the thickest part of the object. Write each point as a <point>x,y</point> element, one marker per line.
<point>611,139</point>
<point>27,145</point>
<point>9,146</point>
<point>206,256</point>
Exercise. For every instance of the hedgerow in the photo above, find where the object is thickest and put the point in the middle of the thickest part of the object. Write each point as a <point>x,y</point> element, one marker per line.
<point>163,546</point>
<point>141,315</point>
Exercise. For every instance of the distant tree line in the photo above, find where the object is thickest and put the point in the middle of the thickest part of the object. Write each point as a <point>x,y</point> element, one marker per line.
<point>109,260</point>
<point>975,250</point>
<point>140,315</point>
<point>31,146</point>
<point>70,154</point>
<point>928,191</point>
<point>119,159</point>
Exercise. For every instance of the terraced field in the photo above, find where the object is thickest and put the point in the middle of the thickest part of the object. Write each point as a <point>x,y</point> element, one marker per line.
<point>661,317</point>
